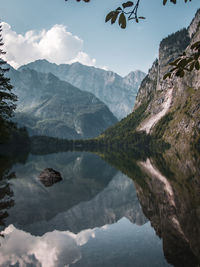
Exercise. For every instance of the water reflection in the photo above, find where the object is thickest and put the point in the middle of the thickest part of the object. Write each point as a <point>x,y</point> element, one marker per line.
<point>84,176</point>
<point>91,194</point>
<point>168,189</point>
<point>119,244</point>
<point>93,216</point>
<point>168,218</point>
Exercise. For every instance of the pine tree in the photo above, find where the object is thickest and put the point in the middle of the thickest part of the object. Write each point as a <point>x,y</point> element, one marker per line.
<point>7,98</point>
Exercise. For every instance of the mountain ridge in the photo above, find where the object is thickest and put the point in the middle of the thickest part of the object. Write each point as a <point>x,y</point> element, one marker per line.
<point>49,106</point>
<point>117,92</point>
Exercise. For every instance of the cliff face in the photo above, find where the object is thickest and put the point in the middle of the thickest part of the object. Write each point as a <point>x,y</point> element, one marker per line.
<point>170,196</point>
<point>173,111</point>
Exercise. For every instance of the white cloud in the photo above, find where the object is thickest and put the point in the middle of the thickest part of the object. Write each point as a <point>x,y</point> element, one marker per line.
<point>105,68</point>
<point>50,250</point>
<point>84,59</point>
<point>56,45</point>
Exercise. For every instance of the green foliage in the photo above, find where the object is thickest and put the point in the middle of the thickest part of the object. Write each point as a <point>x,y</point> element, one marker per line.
<point>180,39</point>
<point>17,142</point>
<point>46,145</point>
<point>127,125</point>
<point>7,98</point>
<point>123,136</point>
<point>162,125</point>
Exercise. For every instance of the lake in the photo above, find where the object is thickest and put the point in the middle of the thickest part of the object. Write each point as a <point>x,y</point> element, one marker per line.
<point>110,209</point>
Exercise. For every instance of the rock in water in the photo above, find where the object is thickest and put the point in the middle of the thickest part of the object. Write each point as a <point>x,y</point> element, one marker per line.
<point>49,177</point>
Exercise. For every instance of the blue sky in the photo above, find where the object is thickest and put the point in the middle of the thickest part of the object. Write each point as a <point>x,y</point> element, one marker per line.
<point>106,46</point>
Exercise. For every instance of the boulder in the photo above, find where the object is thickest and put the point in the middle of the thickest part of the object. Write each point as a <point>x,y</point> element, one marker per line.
<point>49,177</point>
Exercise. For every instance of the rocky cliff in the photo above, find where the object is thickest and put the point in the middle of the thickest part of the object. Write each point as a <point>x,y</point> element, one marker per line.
<point>170,194</point>
<point>117,92</point>
<point>173,110</point>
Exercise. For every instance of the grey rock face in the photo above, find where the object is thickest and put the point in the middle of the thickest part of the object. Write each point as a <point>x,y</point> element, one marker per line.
<point>51,107</point>
<point>192,29</point>
<point>183,126</point>
<point>116,92</point>
<point>148,85</point>
<point>50,176</point>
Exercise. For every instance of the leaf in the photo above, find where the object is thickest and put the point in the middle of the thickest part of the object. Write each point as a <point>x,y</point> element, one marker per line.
<point>174,63</point>
<point>164,2</point>
<point>180,73</point>
<point>173,69</point>
<point>119,9</point>
<point>196,56</point>
<point>195,45</point>
<point>109,16</point>
<point>116,13</point>
<point>167,75</point>
<point>122,21</point>
<point>192,66</point>
<point>190,59</point>
<point>182,63</point>
<point>127,4</point>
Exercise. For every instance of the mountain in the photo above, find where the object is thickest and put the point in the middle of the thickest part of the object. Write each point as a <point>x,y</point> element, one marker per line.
<point>49,106</point>
<point>116,92</point>
<point>167,109</point>
<point>173,111</point>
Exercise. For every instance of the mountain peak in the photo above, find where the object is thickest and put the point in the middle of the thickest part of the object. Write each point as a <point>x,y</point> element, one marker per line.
<point>135,73</point>
<point>116,92</point>
<point>194,25</point>
<point>134,78</point>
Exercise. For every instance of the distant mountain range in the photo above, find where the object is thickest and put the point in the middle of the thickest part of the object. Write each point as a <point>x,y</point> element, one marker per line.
<point>49,106</point>
<point>116,92</point>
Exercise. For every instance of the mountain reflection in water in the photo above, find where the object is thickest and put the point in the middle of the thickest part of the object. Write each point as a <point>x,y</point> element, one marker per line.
<point>93,216</point>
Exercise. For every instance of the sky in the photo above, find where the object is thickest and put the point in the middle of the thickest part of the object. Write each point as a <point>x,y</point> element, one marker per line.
<point>66,32</point>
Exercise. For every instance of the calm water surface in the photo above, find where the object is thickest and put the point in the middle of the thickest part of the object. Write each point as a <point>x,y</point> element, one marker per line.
<point>97,215</point>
